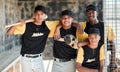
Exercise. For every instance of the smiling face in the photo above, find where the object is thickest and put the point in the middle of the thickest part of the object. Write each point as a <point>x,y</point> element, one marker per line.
<point>39,16</point>
<point>66,21</point>
<point>93,39</point>
<point>91,15</point>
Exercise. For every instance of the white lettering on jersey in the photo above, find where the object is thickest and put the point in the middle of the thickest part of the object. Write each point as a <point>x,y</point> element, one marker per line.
<point>37,34</point>
<point>90,60</point>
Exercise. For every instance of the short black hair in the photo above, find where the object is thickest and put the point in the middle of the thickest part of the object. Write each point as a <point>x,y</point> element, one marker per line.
<point>66,12</point>
<point>40,7</point>
<point>94,31</point>
<point>91,7</point>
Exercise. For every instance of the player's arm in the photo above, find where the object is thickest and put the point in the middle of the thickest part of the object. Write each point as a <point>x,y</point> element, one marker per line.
<point>101,65</point>
<point>80,58</point>
<point>79,28</point>
<point>102,57</point>
<point>82,39</point>
<point>85,42</point>
<point>80,68</point>
<point>11,30</point>
<point>17,29</point>
<point>57,31</point>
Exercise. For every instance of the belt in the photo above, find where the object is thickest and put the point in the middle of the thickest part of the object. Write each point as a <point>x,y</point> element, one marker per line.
<point>62,60</point>
<point>32,55</point>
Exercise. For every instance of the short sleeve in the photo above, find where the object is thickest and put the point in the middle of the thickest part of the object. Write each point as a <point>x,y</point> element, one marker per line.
<point>52,26</point>
<point>102,52</point>
<point>80,56</point>
<point>19,29</point>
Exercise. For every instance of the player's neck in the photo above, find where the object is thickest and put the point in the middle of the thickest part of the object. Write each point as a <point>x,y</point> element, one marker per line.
<point>93,46</point>
<point>38,23</point>
<point>94,21</point>
<point>66,27</point>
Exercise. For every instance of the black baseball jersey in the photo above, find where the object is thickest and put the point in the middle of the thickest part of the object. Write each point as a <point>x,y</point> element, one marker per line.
<point>91,57</point>
<point>34,38</point>
<point>61,49</point>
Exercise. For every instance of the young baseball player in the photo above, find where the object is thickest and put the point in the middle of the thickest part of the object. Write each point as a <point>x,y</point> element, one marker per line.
<point>91,57</point>
<point>34,36</point>
<point>65,55</point>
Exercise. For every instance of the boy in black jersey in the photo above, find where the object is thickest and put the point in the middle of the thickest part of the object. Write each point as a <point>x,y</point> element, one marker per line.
<point>34,36</point>
<point>64,55</point>
<point>91,57</point>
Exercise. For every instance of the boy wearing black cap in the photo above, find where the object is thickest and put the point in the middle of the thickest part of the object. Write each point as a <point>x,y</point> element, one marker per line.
<point>91,57</point>
<point>64,55</point>
<point>34,36</point>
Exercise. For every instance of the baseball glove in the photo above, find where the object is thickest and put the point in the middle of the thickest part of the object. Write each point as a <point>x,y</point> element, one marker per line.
<point>71,41</point>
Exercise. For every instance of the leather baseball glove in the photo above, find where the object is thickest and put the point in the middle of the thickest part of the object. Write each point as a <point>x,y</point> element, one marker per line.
<point>70,40</point>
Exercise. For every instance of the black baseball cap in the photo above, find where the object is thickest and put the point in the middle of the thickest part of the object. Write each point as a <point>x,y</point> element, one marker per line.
<point>94,31</point>
<point>40,7</point>
<point>91,7</point>
<point>66,12</point>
